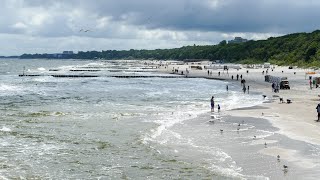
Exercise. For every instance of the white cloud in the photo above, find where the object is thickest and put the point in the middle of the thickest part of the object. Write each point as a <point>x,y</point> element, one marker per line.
<point>53,25</point>
<point>19,25</point>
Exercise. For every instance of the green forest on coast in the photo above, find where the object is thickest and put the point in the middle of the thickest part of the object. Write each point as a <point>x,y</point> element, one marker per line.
<point>301,49</point>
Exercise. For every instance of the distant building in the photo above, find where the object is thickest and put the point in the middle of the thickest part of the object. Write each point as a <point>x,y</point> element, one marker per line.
<point>238,40</point>
<point>67,52</point>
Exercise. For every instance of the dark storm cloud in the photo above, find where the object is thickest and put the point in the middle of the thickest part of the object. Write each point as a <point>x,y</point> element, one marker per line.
<point>202,15</point>
<point>213,15</point>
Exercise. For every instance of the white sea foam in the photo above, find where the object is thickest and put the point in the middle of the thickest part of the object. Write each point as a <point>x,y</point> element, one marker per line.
<point>8,89</point>
<point>218,157</point>
<point>5,129</point>
<point>169,120</point>
<point>239,100</point>
<point>41,69</point>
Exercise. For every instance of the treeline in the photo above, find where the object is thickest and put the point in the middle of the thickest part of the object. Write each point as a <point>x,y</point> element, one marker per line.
<point>302,49</point>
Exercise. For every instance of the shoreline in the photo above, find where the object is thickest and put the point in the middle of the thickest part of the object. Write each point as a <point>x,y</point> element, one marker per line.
<point>295,120</point>
<point>255,159</point>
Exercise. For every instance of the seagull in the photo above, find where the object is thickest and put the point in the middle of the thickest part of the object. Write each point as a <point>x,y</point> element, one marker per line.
<point>82,30</point>
<point>239,124</point>
<point>221,130</point>
<point>238,128</point>
<point>265,144</point>
<point>278,157</point>
<point>285,167</point>
<point>254,137</point>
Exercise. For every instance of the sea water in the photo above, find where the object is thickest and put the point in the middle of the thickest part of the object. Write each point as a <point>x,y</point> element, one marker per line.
<point>136,128</point>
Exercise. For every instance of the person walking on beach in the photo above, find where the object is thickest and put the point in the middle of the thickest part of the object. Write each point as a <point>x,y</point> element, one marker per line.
<point>227,88</point>
<point>273,87</point>
<point>248,89</point>
<point>212,104</point>
<point>208,72</point>
<point>244,89</point>
<point>237,77</point>
<point>241,76</point>
<point>218,107</point>
<point>232,77</point>
<point>219,73</point>
<point>318,111</point>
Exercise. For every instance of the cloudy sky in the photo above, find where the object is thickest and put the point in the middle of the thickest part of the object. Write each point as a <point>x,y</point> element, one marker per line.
<point>39,26</point>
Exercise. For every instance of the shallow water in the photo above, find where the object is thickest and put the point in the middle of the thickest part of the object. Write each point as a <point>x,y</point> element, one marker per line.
<point>110,128</point>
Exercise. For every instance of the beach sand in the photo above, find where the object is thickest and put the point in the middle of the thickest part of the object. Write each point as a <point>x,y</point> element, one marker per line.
<point>295,120</point>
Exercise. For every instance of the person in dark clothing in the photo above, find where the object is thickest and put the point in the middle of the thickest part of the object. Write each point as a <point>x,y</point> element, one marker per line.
<point>212,104</point>
<point>318,111</point>
<point>241,76</point>
<point>244,89</point>
<point>273,87</point>
<point>237,77</point>
<point>232,77</point>
<point>248,89</point>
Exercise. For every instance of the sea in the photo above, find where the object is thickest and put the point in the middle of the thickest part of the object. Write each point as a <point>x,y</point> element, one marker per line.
<point>104,127</point>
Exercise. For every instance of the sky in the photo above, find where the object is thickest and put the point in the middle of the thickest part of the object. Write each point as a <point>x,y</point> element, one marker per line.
<point>52,26</point>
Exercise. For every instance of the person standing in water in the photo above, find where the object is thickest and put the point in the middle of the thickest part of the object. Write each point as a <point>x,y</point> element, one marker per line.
<point>212,104</point>
<point>218,107</point>
<point>227,88</point>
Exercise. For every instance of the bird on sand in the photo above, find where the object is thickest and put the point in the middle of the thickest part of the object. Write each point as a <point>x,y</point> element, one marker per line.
<point>278,157</point>
<point>221,130</point>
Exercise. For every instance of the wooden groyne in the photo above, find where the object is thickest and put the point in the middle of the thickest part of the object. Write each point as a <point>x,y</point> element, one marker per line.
<point>30,75</point>
<point>122,76</point>
<point>124,70</point>
<point>73,76</point>
<point>59,75</point>
<point>138,76</point>
<point>90,76</point>
<point>88,70</point>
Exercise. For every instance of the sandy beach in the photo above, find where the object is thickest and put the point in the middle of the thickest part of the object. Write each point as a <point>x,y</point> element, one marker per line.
<point>295,120</point>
